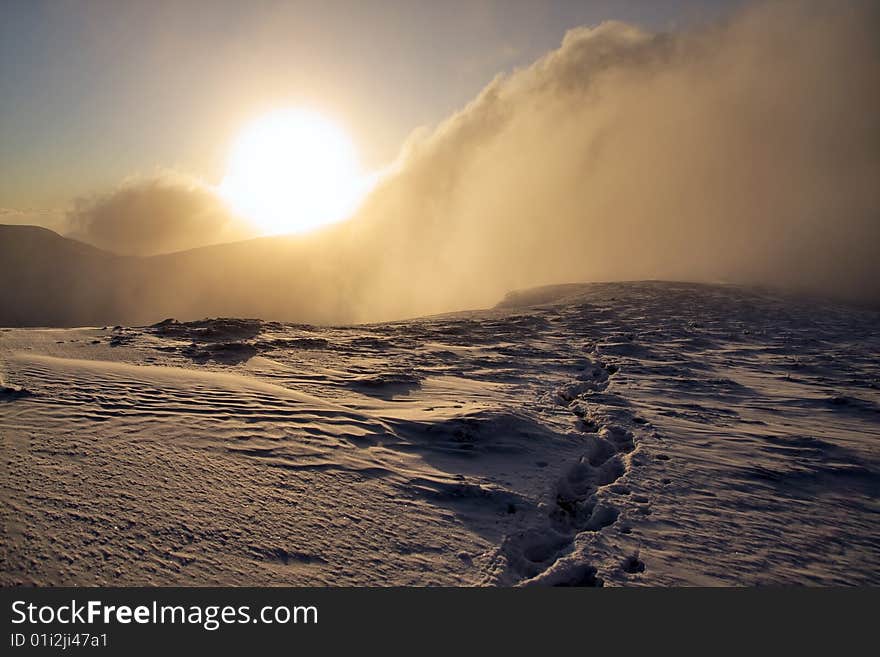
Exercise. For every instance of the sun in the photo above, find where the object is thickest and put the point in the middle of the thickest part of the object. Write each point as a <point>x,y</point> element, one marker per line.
<point>291,171</point>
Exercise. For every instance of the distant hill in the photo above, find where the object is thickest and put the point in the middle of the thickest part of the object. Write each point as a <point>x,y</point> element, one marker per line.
<point>343,274</point>
<point>47,279</point>
<point>50,280</point>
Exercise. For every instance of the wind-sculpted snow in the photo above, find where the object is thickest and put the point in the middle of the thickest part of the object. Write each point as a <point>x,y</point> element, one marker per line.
<point>579,435</point>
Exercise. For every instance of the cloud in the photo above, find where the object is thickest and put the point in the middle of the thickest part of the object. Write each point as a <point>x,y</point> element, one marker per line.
<point>159,214</point>
<point>747,150</point>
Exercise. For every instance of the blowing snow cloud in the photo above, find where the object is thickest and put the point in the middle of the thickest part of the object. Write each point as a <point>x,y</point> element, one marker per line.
<point>745,151</point>
<point>158,214</point>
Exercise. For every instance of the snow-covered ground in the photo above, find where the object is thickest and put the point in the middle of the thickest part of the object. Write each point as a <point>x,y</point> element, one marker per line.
<point>626,433</point>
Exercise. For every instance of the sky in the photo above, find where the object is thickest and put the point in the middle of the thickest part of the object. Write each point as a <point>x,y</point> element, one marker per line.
<point>94,92</point>
<point>532,143</point>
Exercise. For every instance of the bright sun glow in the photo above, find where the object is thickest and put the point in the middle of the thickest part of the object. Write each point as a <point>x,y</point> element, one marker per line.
<point>291,171</point>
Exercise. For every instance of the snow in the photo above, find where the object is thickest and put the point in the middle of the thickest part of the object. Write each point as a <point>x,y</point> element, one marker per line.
<point>617,433</point>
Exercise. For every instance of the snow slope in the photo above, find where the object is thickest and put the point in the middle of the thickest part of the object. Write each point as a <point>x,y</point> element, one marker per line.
<point>627,433</point>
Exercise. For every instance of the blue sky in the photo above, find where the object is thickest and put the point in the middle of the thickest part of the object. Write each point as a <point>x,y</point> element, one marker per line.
<point>93,92</point>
